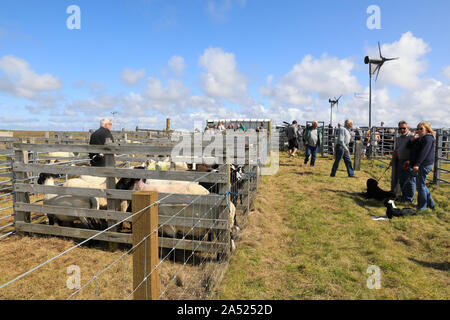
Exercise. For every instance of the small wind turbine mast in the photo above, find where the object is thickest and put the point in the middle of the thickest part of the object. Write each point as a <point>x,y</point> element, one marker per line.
<point>332,104</point>
<point>374,67</point>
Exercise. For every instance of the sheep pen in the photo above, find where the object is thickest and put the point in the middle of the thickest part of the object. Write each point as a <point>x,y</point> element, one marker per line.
<point>189,267</point>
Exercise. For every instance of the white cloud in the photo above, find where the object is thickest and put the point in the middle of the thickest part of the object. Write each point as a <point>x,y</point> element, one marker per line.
<point>20,81</point>
<point>168,98</point>
<point>218,9</point>
<point>33,109</point>
<point>326,77</point>
<point>223,79</point>
<point>447,72</point>
<point>177,65</point>
<point>132,77</point>
<point>403,73</point>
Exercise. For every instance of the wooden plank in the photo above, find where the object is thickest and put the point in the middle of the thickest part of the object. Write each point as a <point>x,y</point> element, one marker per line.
<point>202,223</point>
<point>146,281</point>
<point>187,159</point>
<point>119,194</point>
<point>192,245</point>
<point>126,238</point>
<point>111,184</point>
<point>107,149</point>
<point>196,211</point>
<point>123,173</point>
<point>72,232</point>
<point>20,216</point>
<point>72,212</point>
<point>177,221</point>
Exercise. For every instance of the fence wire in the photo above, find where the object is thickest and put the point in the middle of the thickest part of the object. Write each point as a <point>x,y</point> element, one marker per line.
<point>197,269</point>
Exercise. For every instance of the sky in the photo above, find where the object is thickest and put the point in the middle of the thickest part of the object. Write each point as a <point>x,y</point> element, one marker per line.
<point>142,61</point>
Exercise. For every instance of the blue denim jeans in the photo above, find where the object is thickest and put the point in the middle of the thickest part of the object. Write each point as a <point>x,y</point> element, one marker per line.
<point>424,199</point>
<point>339,153</point>
<point>311,151</point>
<point>407,181</point>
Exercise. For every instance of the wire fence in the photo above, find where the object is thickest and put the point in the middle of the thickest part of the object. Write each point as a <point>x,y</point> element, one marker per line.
<point>186,271</point>
<point>195,243</point>
<point>379,145</point>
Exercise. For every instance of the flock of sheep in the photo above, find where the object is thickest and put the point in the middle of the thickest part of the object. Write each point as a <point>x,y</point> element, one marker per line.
<point>160,186</point>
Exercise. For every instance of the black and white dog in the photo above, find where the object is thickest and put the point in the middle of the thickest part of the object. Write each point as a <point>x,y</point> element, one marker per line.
<point>393,211</point>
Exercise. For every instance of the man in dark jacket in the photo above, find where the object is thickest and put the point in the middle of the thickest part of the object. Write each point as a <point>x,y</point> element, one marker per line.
<point>292,133</point>
<point>99,138</point>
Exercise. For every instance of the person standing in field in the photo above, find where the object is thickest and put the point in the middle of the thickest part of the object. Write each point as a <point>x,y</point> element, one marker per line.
<point>292,134</point>
<point>313,139</point>
<point>342,149</point>
<point>99,138</point>
<point>422,159</point>
<point>401,162</point>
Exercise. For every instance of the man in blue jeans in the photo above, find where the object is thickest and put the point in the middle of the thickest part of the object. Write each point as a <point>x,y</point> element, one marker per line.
<point>401,161</point>
<point>342,149</point>
<point>313,139</point>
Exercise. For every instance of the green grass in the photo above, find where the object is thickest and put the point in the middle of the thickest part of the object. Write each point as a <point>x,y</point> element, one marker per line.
<point>311,236</point>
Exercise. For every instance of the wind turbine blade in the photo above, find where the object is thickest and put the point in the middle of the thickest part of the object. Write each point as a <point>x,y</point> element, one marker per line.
<point>379,68</point>
<point>339,98</point>
<point>391,59</point>
<point>379,49</point>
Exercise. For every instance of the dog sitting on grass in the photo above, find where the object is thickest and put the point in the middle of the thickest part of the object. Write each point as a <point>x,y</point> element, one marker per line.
<point>375,192</point>
<point>393,211</point>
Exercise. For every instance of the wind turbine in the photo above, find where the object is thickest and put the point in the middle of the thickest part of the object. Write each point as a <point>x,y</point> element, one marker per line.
<point>374,66</point>
<point>114,118</point>
<point>332,103</point>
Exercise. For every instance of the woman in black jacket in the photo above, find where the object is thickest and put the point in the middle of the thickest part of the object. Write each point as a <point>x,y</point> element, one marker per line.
<point>422,146</point>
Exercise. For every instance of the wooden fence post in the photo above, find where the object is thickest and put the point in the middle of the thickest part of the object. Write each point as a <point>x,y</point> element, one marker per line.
<point>438,158</point>
<point>20,216</point>
<point>357,155</point>
<point>110,161</point>
<point>145,256</point>
<point>223,189</point>
<point>168,125</point>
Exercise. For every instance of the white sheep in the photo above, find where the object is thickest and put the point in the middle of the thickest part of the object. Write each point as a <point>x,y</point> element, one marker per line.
<point>186,188</point>
<point>60,154</point>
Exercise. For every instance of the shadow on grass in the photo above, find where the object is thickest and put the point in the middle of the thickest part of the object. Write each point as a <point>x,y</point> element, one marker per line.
<point>443,266</point>
<point>359,198</point>
<point>288,165</point>
<point>304,173</point>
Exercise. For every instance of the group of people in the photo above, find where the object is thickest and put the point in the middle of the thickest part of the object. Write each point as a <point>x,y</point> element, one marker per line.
<point>413,159</point>
<point>413,156</point>
<point>311,137</point>
<point>240,127</point>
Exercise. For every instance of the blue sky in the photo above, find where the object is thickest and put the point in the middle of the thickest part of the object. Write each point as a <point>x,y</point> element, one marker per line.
<point>199,59</point>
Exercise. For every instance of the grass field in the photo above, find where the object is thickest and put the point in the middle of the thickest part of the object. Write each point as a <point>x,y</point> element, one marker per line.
<point>311,236</point>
